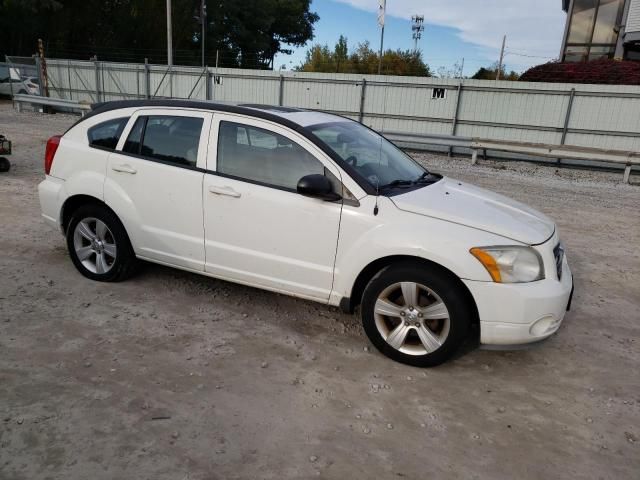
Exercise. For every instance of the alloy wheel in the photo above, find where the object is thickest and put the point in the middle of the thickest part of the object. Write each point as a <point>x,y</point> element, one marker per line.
<point>412,318</point>
<point>94,245</point>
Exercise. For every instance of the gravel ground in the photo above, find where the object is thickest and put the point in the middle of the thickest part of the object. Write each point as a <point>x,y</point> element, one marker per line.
<point>176,376</point>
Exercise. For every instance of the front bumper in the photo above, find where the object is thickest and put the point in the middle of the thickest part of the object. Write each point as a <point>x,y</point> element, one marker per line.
<point>517,314</point>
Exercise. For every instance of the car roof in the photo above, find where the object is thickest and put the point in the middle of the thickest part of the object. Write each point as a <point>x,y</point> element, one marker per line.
<point>296,119</point>
<point>288,116</point>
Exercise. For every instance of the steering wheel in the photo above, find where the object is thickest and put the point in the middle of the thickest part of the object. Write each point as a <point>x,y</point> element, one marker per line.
<point>352,160</point>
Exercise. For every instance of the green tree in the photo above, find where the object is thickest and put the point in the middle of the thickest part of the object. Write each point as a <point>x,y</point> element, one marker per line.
<point>364,60</point>
<point>490,74</point>
<point>340,53</point>
<point>247,33</point>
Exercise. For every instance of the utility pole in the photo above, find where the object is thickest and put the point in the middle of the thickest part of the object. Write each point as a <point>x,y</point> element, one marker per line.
<point>202,18</point>
<point>42,74</point>
<point>504,41</point>
<point>462,69</point>
<point>169,36</point>
<point>382,8</point>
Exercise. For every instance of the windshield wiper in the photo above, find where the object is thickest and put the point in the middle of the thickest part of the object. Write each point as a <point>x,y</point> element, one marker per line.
<point>397,183</point>
<point>422,177</point>
<point>427,177</point>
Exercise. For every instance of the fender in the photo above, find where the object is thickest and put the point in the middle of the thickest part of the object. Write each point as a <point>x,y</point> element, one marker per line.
<point>366,238</point>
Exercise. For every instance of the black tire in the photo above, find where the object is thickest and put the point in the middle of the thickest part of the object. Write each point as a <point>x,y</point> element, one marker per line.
<point>440,282</point>
<point>5,164</point>
<point>125,262</point>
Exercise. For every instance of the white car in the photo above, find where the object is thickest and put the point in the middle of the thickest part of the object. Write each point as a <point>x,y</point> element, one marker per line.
<point>10,87</point>
<point>311,205</point>
<point>32,85</point>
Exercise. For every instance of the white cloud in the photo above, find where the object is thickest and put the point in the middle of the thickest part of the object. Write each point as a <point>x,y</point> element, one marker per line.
<point>533,27</point>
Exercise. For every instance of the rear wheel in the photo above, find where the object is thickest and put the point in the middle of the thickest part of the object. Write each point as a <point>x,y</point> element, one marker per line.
<point>98,244</point>
<point>5,165</point>
<point>415,315</point>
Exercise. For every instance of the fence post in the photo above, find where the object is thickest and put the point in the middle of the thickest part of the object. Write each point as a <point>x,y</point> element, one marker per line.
<point>363,90</point>
<point>627,173</point>
<point>40,75</point>
<point>147,79</point>
<point>281,90</point>
<point>97,75</point>
<point>454,120</point>
<point>69,79</point>
<point>567,118</point>
<point>209,85</point>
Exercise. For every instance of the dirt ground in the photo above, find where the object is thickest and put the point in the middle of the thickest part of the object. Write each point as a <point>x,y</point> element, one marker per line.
<point>177,376</point>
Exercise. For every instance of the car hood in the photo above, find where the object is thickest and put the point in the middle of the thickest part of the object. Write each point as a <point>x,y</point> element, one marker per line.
<point>465,204</point>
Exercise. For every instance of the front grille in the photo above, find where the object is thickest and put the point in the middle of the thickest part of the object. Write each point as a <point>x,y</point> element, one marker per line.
<point>558,254</point>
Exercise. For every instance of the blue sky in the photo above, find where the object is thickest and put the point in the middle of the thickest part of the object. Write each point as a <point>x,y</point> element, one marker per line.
<point>454,29</point>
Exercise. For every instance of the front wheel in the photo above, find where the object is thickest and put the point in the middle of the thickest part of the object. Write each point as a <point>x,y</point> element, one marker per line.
<point>99,245</point>
<point>5,165</point>
<point>415,315</point>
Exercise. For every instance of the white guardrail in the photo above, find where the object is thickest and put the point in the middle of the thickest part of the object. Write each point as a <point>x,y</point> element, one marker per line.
<point>572,152</point>
<point>620,157</point>
<point>34,100</point>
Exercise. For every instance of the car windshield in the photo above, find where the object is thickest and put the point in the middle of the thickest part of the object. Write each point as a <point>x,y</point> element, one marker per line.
<point>376,159</point>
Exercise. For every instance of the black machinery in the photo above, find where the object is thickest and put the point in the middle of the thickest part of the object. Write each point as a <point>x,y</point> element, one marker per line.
<point>5,149</point>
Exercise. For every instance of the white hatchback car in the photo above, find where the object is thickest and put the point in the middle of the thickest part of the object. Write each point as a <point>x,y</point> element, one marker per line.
<point>311,205</point>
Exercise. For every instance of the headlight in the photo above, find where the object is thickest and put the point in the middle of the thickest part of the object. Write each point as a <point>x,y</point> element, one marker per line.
<point>511,264</point>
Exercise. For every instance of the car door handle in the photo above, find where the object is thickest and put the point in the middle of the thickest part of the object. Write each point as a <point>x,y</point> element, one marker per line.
<point>224,191</point>
<point>124,169</point>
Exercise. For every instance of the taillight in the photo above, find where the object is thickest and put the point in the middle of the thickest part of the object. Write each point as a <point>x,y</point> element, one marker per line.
<point>50,152</point>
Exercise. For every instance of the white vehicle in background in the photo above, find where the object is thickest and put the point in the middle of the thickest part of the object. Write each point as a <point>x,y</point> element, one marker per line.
<point>311,205</point>
<point>11,83</point>
<point>32,85</point>
<point>10,87</point>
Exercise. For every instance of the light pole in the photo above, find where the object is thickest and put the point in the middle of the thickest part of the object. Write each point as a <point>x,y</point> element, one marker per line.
<point>169,36</point>
<point>382,8</point>
<point>504,41</point>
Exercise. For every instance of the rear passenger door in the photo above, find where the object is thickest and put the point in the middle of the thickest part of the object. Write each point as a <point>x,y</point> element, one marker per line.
<point>258,230</point>
<point>154,183</point>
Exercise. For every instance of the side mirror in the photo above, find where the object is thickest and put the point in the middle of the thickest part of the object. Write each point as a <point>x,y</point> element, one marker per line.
<point>317,186</point>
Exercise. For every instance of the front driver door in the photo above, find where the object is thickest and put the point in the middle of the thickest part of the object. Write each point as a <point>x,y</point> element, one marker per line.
<point>258,230</point>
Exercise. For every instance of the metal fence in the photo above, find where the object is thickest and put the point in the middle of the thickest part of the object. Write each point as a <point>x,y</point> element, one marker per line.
<point>600,116</point>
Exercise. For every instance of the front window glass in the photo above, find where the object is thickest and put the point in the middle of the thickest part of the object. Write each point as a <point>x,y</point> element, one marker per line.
<point>374,158</point>
<point>262,156</point>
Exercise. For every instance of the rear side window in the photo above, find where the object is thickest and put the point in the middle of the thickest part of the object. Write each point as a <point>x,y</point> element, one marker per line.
<point>106,134</point>
<point>170,139</point>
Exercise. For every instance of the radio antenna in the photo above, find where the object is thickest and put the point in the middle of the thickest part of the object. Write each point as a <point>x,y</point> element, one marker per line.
<point>375,208</point>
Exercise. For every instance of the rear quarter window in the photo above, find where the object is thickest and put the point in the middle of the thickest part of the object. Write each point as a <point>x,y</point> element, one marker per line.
<point>106,134</point>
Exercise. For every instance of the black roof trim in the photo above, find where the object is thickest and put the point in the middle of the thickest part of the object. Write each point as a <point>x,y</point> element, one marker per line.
<point>253,111</point>
<point>273,108</point>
